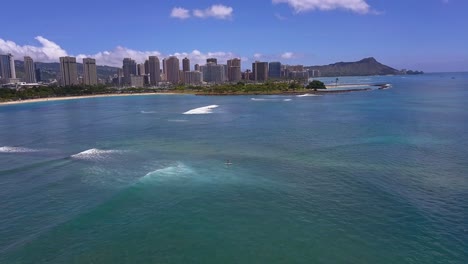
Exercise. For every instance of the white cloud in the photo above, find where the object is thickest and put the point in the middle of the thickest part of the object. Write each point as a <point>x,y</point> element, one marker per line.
<point>115,56</point>
<point>215,11</point>
<point>179,12</point>
<point>280,17</point>
<point>49,51</point>
<point>287,55</point>
<point>257,55</point>
<point>357,6</point>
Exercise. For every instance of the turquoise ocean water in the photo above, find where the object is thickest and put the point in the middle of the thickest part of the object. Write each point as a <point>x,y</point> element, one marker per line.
<point>365,177</point>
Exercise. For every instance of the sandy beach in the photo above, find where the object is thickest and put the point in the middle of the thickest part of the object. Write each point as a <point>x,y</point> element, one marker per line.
<point>78,97</point>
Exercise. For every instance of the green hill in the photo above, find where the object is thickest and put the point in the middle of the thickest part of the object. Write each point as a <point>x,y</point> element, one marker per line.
<point>367,66</point>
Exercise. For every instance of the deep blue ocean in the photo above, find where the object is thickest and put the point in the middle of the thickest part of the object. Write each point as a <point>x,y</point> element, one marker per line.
<point>365,177</point>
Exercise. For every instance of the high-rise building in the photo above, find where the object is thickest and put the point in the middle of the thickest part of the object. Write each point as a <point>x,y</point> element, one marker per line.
<point>29,70</point>
<point>213,73</point>
<point>234,70</point>
<point>247,75</point>
<point>164,67</point>
<point>129,68</point>
<point>193,77</point>
<point>147,67</point>
<point>154,70</point>
<point>137,81</point>
<point>197,67</point>
<point>141,69</point>
<point>89,71</point>
<point>260,71</point>
<point>274,70</point>
<point>211,60</point>
<point>185,64</point>
<point>68,71</point>
<point>7,68</point>
<point>299,75</point>
<point>172,69</point>
<point>38,75</point>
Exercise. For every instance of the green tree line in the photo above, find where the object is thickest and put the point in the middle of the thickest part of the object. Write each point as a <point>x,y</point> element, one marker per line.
<point>82,90</point>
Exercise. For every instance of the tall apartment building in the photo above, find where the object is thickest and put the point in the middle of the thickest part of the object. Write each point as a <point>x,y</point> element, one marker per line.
<point>68,71</point>
<point>247,75</point>
<point>7,68</point>
<point>141,69</point>
<point>129,68</point>
<point>172,69</point>
<point>260,71</point>
<point>29,70</point>
<point>89,71</point>
<point>147,67</point>
<point>213,73</point>
<point>185,65</point>
<point>137,81</point>
<point>234,70</point>
<point>38,75</point>
<point>193,77</point>
<point>274,70</point>
<point>154,70</point>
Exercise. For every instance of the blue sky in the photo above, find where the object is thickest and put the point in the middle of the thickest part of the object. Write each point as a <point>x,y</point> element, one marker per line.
<point>429,35</point>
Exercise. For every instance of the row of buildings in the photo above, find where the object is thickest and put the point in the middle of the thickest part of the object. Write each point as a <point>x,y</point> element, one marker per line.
<point>68,71</point>
<point>154,72</point>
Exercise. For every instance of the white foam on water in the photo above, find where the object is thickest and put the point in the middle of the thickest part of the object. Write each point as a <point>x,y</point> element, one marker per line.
<point>262,99</point>
<point>177,120</point>
<point>179,170</point>
<point>94,154</point>
<point>307,95</point>
<point>287,100</point>
<point>148,112</point>
<point>202,110</point>
<point>7,149</point>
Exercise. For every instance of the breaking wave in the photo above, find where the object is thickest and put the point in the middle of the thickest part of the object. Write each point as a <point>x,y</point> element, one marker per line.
<point>7,149</point>
<point>94,154</point>
<point>175,171</point>
<point>148,112</point>
<point>202,110</point>
<point>307,95</point>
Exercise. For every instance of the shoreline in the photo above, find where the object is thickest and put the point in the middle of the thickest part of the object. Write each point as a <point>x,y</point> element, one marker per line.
<point>63,98</point>
<point>319,91</point>
<point>324,91</point>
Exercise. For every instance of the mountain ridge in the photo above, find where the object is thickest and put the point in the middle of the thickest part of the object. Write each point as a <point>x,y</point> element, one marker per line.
<point>364,67</point>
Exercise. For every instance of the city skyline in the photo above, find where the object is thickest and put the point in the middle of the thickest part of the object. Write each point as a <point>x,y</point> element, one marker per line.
<point>399,33</point>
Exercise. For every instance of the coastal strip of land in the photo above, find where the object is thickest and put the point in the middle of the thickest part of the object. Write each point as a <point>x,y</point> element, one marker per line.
<point>335,89</point>
<point>61,98</point>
